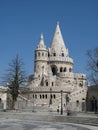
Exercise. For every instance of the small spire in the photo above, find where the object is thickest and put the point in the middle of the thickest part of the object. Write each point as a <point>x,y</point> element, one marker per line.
<point>57,22</point>
<point>41,42</point>
<point>41,37</point>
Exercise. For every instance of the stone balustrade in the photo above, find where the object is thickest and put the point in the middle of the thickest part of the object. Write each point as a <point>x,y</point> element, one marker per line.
<point>59,58</point>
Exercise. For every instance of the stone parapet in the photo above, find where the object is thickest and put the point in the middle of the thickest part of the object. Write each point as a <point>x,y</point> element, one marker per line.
<point>59,58</point>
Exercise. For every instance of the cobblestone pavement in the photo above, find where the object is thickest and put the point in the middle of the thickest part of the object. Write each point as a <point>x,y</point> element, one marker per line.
<point>16,124</point>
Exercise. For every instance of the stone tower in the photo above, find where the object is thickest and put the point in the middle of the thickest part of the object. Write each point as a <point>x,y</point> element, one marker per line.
<point>41,58</point>
<point>59,59</point>
<point>53,72</point>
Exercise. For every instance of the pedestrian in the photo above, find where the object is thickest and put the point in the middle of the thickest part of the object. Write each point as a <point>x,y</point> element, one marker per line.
<point>58,109</point>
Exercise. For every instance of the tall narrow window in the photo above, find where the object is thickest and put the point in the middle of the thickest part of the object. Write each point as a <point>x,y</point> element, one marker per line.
<point>42,53</point>
<point>62,54</point>
<point>61,69</point>
<point>70,69</point>
<point>46,96</point>
<point>35,96</point>
<point>77,103</point>
<point>54,96</point>
<point>46,83</point>
<point>65,69</point>
<point>40,96</point>
<point>43,96</point>
<point>38,53</point>
<point>54,54</point>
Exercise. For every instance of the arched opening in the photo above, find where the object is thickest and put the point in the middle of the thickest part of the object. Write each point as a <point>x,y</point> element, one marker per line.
<point>40,96</point>
<point>52,84</point>
<point>65,69</point>
<point>62,54</point>
<point>54,54</point>
<point>61,69</point>
<point>77,103</point>
<point>46,83</point>
<point>0,100</point>
<point>54,70</point>
<point>70,70</point>
<point>46,96</point>
<point>54,96</point>
<point>42,53</point>
<point>35,96</point>
<point>43,96</point>
<point>93,103</point>
<point>38,53</point>
<point>1,104</point>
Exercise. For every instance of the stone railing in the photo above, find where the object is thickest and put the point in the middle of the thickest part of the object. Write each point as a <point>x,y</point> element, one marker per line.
<point>59,58</point>
<point>77,75</point>
<point>64,74</point>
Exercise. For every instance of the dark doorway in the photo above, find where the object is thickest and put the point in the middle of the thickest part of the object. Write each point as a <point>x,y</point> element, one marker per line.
<point>93,104</point>
<point>54,70</point>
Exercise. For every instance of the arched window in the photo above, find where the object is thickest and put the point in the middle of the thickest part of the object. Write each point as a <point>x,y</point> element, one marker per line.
<point>42,53</point>
<point>40,96</point>
<point>52,83</point>
<point>48,54</point>
<point>54,54</point>
<point>35,96</point>
<point>51,96</point>
<point>77,103</point>
<point>70,69</point>
<point>93,104</point>
<point>54,70</point>
<point>46,96</point>
<point>54,96</point>
<point>81,84</point>
<point>46,83</point>
<point>61,69</point>
<point>38,53</point>
<point>62,54</point>
<point>43,96</point>
<point>65,69</point>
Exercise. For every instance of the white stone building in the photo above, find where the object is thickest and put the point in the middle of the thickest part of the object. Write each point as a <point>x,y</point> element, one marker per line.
<point>5,98</point>
<point>53,74</point>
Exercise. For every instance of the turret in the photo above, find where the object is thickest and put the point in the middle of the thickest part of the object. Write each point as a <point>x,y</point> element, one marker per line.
<point>41,57</point>
<point>58,54</point>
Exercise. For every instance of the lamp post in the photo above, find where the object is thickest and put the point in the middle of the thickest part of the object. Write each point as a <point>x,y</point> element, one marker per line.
<point>61,102</point>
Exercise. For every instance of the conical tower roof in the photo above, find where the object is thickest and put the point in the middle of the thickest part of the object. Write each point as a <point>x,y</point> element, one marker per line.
<point>58,46</point>
<point>41,44</point>
<point>57,38</point>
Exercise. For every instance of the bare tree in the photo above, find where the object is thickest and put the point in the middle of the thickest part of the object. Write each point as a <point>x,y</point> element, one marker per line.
<point>15,77</point>
<point>93,65</point>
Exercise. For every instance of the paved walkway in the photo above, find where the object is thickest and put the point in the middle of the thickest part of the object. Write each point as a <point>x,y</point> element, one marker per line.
<point>16,124</point>
<point>33,121</point>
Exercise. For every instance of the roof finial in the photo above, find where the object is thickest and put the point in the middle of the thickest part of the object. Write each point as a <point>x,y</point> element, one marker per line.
<point>57,22</point>
<point>41,36</point>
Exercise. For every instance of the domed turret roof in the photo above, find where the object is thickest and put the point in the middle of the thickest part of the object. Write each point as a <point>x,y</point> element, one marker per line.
<point>41,45</point>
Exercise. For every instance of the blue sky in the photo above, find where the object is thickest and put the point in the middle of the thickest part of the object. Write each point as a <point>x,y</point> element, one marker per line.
<point>22,22</point>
